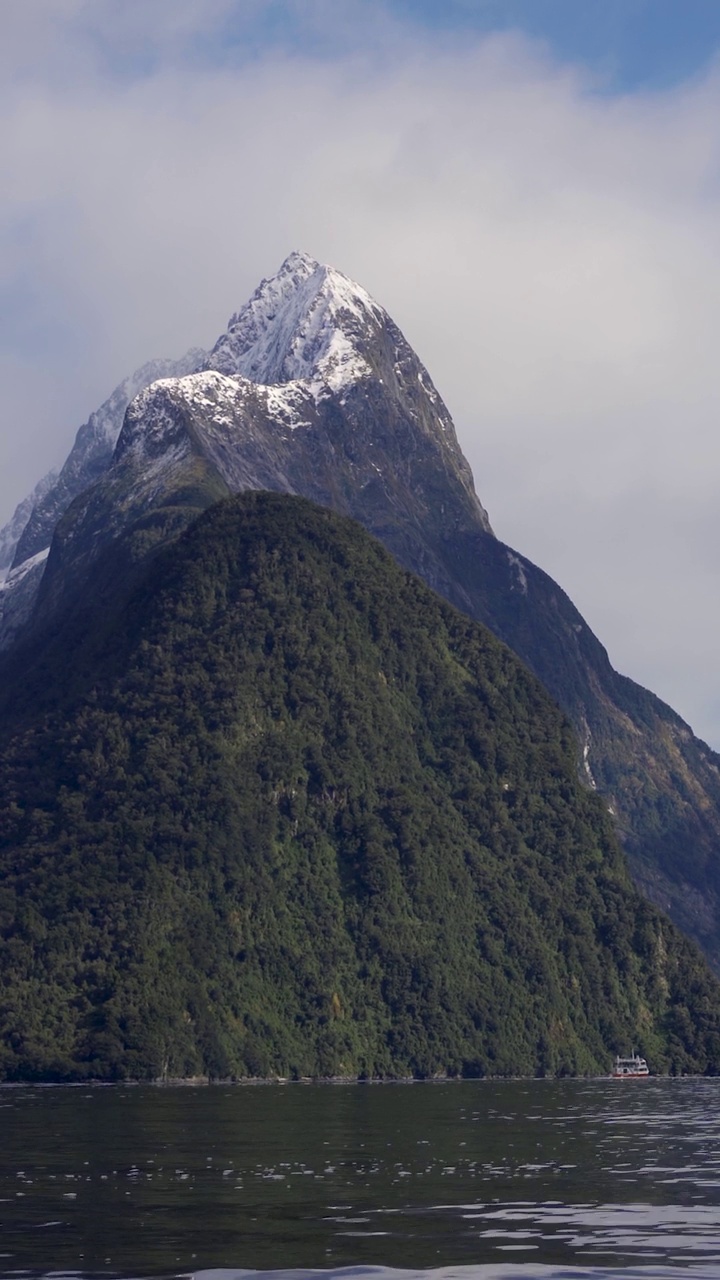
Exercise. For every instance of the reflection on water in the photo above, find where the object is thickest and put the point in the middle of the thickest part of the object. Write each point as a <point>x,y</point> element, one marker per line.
<point>471,1181</point>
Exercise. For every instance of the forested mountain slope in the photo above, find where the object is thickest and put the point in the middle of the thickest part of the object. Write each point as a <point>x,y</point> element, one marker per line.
<point>292,813</point>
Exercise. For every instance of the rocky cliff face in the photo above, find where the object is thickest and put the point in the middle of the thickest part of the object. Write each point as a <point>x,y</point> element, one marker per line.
<point>11,533</point>
<point>314,391</point>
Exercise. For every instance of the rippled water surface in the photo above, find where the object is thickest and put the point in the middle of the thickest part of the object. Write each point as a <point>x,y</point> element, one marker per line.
<point>469,1181</point>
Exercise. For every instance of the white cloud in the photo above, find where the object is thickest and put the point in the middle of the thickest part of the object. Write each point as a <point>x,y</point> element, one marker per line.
<point>553,255</point>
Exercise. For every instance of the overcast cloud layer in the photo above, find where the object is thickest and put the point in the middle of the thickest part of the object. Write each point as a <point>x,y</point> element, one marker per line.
<point>552,253</point>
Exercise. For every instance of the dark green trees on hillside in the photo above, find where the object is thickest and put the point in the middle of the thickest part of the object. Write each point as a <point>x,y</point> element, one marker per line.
<point>293,814</point>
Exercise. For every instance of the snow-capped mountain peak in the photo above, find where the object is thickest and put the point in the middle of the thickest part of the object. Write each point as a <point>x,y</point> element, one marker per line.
<point>306,323</point>
<point>312,389</point>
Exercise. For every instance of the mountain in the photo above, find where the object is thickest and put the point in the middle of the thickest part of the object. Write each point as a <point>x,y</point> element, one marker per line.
<point>25,540</point>
<point>90,455</point>
<point>314,391</point>
<point>292,813</point>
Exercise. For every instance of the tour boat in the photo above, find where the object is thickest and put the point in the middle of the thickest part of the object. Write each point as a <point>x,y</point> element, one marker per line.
<point>633,1068</point>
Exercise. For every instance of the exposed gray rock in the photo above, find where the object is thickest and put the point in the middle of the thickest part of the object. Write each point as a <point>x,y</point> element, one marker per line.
<point>11,533</point>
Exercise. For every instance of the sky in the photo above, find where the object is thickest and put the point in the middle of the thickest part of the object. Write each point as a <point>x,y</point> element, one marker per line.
<point>530,187</point>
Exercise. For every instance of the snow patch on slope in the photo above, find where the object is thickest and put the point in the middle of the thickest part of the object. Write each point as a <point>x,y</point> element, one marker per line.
<point>516,563</point>
<point>16,576</point>
<point>287,404</point>
<point>586,758</point>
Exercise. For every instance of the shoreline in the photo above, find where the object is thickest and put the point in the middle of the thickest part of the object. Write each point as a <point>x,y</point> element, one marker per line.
<point>205,1082</point>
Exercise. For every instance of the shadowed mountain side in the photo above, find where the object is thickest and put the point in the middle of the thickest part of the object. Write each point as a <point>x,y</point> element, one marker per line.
<point>660,782</point>
<point>293,813</point>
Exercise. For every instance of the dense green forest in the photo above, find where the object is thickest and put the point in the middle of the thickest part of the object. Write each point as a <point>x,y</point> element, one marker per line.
<point>293,814</point>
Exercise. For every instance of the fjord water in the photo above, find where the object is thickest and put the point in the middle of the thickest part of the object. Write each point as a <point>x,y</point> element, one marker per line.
<point>474,1180</point>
